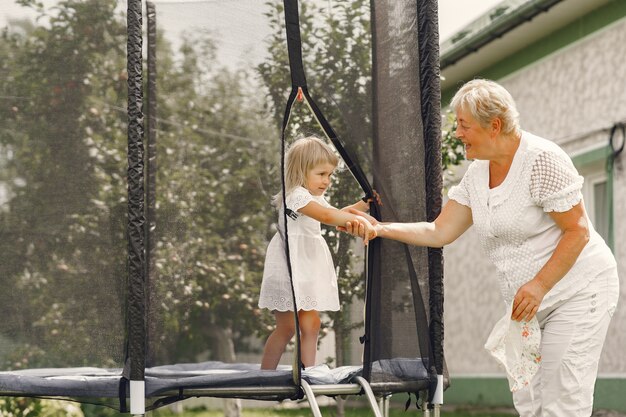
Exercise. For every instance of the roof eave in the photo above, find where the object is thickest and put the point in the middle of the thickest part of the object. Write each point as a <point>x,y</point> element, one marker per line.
<point>497,29</point>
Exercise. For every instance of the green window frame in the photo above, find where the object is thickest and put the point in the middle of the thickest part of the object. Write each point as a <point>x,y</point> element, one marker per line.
<point>598,175</point>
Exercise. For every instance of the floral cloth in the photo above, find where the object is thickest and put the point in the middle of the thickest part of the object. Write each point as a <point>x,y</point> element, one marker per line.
<point>516,347</point>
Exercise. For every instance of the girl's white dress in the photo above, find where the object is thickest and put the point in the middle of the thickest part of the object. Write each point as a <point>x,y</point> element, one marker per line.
<point>314,277</point>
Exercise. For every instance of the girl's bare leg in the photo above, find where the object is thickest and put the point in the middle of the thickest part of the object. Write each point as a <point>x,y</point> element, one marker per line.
<point>276,343</point>
<point>309,330</point>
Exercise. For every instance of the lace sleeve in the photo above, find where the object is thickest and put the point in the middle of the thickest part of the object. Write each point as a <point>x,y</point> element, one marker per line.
<point>555,184</point>
<point>459,192</point>
<point>298,198</point>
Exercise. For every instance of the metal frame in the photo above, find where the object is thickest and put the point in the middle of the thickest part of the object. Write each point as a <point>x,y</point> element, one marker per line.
<point>378,403</point>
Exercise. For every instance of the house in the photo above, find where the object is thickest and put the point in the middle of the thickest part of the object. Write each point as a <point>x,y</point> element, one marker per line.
<point>564,63</point>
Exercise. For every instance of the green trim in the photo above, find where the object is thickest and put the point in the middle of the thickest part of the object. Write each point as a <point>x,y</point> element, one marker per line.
<point>483,391</point>
<point>601,155</point>
<point>575,31</point>
<point>494,392</point>
<point>591,157</point>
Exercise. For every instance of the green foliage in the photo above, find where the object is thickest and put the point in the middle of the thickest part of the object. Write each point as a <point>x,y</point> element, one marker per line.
<point>20,407</point>
<point>453,153</point>
<point>351,411</point>
<point>215,157</point>
<point>62,155</point>
<point>33,407</point>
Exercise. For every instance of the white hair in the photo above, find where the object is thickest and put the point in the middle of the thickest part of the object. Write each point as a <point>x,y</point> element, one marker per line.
<point>486,100</point>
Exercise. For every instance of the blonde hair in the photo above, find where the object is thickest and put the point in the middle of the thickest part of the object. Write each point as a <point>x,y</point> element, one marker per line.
<point>302,156</point>
<point>486,100</point>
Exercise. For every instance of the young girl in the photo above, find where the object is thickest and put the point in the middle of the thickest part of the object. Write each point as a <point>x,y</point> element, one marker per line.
<point>310,163</point>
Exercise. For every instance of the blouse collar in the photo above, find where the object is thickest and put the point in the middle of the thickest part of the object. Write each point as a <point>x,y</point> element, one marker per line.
<point>497,195</point>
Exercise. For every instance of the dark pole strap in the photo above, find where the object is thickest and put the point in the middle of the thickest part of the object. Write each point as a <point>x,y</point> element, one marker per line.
<point>294,43</point>
<point>298,83</point>
<point>348,159</point>
<point>296,369</point>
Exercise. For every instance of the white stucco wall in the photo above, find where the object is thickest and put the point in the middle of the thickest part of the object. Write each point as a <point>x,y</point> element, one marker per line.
<point>569,97</point>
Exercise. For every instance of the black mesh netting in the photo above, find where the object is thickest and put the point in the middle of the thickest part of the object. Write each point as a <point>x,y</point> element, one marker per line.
<point>62,186</point>
<point>216,81</point>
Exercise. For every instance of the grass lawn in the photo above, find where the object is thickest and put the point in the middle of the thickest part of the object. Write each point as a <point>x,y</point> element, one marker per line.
<point>330,412</point>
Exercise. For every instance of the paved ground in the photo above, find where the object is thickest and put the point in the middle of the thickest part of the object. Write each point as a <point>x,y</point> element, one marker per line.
<point>479,411</point>
<point>608,413</point>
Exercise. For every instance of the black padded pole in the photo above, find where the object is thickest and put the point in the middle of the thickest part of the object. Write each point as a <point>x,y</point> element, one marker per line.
<point>428,40</point>
<point>151,171</point>
<point>136,220</point>
<point>374,247</point>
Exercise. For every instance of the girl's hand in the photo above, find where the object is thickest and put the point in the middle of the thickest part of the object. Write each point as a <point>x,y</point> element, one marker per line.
<point>376,198</point>
<point>527,300</point>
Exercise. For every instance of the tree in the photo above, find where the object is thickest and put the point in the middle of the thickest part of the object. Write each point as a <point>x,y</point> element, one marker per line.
<point>213,211</point>
<point>63,171</point>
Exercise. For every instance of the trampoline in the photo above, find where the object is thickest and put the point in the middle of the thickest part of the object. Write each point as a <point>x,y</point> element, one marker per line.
<point>142,251</point>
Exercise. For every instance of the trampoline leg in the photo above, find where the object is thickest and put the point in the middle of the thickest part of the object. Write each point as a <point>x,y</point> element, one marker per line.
<point>426,409</point>
<point>369,394</point>
<point>137,398</point>
<point>438,397</point>
<point>384,405</point>
<point>315,408</point>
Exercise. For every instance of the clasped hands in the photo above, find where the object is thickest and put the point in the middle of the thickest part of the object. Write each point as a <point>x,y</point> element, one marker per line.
<point>364,227</point>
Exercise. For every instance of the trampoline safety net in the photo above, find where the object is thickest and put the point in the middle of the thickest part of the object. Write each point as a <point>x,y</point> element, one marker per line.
<point>216,80</point>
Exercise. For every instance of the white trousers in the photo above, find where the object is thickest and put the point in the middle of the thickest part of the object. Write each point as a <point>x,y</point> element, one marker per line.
<point>572,335</point>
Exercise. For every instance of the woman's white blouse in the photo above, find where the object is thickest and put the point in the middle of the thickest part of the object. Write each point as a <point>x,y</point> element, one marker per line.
<point>512,221</point>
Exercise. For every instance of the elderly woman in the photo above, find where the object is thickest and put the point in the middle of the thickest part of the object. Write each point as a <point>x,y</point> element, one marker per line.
<point>523,195</point>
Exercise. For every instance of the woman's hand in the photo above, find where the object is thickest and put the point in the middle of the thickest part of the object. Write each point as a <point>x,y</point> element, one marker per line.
<point>527,300</point>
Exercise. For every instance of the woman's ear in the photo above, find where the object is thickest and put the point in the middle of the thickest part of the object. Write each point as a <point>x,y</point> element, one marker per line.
<point>496,126</point>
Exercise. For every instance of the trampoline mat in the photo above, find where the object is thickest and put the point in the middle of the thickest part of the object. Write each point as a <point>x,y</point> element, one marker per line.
<point>109,383</point>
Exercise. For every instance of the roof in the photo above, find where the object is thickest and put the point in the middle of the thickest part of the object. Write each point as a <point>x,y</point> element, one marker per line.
<point>506,28</point>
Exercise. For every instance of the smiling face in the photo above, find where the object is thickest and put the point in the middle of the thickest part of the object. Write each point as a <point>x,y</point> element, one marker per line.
<point>318,179</point>
<point>477,139</point>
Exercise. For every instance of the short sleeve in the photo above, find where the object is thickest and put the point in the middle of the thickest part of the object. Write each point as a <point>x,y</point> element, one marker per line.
<point>459,193</point>
<point>298,198</point>
<point>555,185</point>
<point>325,202</point>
